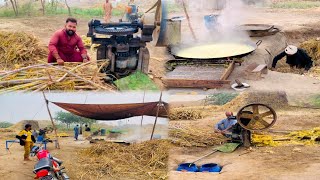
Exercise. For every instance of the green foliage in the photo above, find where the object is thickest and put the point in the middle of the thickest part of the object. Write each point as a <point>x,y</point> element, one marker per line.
<point>220,98</point>
<point>136,81</point>
<point>5,124</point>
<point>296,4</point>
<point>315,101</point>
<point>33,9</point>
<point>69,118</point>
<point>27,9</point>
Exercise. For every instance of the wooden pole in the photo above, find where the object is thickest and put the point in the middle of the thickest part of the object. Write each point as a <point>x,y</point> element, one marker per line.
<point>144,93</point>
<point>155,121</point>
<point>53,125</point>
<point>188,19</point>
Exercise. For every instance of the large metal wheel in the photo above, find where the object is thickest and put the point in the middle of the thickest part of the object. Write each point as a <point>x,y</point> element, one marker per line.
<point>159,34</point>
<point>124,30</point>
<point>256,117</point>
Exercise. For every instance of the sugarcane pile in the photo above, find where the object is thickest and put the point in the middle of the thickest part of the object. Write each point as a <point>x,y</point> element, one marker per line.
<point>71,76</point>
<point>195,137</point>
<point>105,160</point>
<point>263,140</point>
<point>19,49</point>
<point>312,47</point>
<point>302,137</point>
<point>309,137</point>
<point>184,114</point>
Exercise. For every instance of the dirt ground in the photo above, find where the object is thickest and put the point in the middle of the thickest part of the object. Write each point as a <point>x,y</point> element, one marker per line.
<point>13,167</point>
<point>282,162</point>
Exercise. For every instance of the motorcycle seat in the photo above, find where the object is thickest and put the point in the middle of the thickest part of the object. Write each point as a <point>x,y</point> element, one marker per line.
<point>44,163</point>
<point>57,160</point>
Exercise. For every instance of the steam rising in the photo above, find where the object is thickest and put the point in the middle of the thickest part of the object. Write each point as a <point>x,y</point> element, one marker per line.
<point>231,14</point>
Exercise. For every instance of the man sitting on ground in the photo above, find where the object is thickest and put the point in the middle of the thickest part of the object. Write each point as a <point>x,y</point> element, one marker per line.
<point>66,46</point>
<point>225,126</point>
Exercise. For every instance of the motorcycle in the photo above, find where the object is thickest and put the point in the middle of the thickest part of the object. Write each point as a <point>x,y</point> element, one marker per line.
<point>47,167</point>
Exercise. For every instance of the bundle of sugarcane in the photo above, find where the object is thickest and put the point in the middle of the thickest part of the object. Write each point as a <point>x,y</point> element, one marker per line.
<point>71,76</point>
<point>195,137</point>
<point>18,48</point>
<point>86,41</point>
<point>185,114</point>
<point>106,160</point>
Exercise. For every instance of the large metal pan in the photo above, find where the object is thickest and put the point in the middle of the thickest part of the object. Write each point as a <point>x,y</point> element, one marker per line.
<point>214,50</point>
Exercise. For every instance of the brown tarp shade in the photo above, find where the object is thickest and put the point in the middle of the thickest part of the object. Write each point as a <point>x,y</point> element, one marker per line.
<point>114,111</point>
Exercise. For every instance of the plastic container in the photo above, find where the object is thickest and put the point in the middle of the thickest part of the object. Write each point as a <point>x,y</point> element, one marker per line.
<point>187,167</point>
<point>210,21</point>
<point>40,138</point>
<point>103,132</point>
<point>211,167</point>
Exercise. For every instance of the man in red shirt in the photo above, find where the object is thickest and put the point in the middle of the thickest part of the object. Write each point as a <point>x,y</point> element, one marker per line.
<point>66,46</point>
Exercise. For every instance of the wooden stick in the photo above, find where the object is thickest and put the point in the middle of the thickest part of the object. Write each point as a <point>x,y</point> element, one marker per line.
<point>188,18</point>
<point>229,70</point>
<point>53,125</point>
<point>155,121</point>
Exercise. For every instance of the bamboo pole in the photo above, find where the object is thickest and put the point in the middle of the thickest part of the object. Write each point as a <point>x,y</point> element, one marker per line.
<point>155,121</point>
<point>53,125</point>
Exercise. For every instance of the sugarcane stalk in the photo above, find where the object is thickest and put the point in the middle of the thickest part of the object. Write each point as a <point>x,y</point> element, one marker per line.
<point>20,81</point>
<point>71,73</point>
<point>3,75</point>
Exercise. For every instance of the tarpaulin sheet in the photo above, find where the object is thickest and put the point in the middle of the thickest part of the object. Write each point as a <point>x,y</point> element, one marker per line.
<point>115,111</point>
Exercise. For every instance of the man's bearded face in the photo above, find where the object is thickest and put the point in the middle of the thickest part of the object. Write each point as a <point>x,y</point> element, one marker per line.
<point>71,28</point>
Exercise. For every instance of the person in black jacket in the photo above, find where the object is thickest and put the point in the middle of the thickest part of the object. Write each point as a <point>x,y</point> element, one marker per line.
<point>296,57</point>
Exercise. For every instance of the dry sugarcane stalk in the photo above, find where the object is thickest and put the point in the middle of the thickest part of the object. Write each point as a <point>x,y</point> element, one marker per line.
<point>20,81</point>
<point>3,75</point>
<point>90,82</point>
<point>65,82</point>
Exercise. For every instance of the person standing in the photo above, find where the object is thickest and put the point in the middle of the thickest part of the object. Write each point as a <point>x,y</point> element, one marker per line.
<point>27,140</point>
<point>76,132</point>
<point>107,7</point>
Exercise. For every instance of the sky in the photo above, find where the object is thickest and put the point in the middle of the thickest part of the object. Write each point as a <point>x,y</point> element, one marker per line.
<point>15,107</point>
